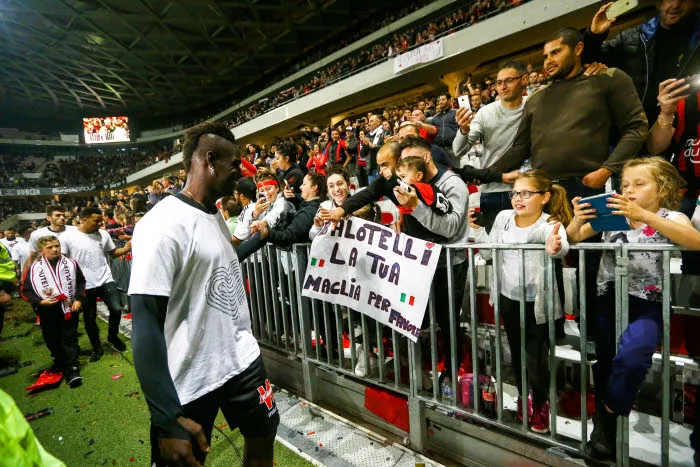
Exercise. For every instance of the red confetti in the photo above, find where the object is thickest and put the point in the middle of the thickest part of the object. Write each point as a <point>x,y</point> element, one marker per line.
<point>222,426</point>
<point>320,444</point>
<point>131,459</point>
<point>117,376</point>
<point>310,433</point>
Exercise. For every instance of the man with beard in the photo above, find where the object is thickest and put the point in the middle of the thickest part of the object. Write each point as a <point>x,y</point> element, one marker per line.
<point>444,121</point>
<point>565,128</point>
<point>194,349</point>
<point>566,131</point>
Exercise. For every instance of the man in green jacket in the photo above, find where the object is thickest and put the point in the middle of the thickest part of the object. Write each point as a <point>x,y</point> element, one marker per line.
<point>8,279</point>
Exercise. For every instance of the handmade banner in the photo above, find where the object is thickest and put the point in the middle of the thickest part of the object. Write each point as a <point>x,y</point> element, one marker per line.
<point>369,268</point>
<point>423,54</point>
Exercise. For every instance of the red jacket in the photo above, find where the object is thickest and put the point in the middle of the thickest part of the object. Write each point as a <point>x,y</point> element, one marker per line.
<point>339,151</point>
<point>318,161</point>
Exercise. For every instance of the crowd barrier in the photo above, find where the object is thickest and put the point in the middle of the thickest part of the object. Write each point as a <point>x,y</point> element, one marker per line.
<point>327,336</point>
<point>322,335</point>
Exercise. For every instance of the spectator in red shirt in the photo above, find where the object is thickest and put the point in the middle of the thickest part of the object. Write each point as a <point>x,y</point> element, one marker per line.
<point>318,160</point>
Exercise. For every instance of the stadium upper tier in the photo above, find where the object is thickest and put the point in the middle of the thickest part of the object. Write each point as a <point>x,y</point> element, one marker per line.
<point>382,39</point>
<point>462,51</point>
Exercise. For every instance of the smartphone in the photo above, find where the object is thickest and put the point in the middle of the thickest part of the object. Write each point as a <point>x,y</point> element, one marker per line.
<point>261,195</point>
<point>404,186</point>
<point>477,218</point>
<point>694,82</point>
<point>620,7</point>
<point>465,101</point>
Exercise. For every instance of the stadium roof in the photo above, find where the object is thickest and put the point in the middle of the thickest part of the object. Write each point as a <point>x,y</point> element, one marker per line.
<point>148,58</point>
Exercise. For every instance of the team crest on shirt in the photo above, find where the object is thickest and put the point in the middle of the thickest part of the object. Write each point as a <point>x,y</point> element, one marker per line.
<point>266,395</point>
<point>48,291</point>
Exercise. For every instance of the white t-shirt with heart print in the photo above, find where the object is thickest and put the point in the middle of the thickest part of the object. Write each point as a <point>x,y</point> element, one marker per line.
<point>186,254</point>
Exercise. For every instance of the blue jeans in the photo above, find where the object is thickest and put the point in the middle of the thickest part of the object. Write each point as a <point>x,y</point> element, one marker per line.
<point>618,376</point>
<point>491,204</point>
<point>374,173</point>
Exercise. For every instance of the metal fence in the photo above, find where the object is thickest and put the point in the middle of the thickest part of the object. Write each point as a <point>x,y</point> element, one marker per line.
<point>336,338</point>
<point>329,336</point>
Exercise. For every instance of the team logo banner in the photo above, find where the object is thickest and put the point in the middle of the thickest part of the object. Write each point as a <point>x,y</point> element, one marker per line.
<point>371,269</point>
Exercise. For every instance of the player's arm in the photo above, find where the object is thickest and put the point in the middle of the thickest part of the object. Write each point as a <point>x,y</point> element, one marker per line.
<point>151,362</point>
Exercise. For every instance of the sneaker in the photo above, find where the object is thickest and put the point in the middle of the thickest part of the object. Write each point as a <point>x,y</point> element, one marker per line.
<point>539,422</point>
<point>529,408</point>
<point>73,378</point>
<point>360,369</point>
<point>601,446</point>
<point>96,354</point>
<point>117,343</point>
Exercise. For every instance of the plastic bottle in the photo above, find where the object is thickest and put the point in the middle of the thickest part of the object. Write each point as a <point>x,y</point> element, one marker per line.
<point>446,391</point>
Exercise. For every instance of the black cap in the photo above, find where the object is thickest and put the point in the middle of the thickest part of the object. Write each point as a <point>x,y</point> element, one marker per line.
<point>246,187</point>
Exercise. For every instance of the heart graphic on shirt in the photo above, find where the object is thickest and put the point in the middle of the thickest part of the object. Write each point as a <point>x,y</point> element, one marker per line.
<point>224,293</point>
<point>430,245</point>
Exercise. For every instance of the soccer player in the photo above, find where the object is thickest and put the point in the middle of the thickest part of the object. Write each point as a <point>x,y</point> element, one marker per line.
<point>194,349</point>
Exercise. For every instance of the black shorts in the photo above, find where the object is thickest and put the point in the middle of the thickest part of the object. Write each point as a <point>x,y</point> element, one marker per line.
<point>246,401</point>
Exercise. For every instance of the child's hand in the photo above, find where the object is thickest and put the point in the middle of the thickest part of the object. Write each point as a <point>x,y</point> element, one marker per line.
<point>472,220</point>
<point>385,172</point>
<point>553,243</point>
<point>318,222</point>
<point>624,207</point>
<point>581,212</point>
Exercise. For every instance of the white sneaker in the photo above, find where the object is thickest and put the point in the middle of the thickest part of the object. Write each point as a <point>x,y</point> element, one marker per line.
<point>360,369</point>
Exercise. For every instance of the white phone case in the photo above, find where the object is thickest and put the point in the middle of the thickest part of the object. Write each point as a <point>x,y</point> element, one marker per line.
<point>621,7</point>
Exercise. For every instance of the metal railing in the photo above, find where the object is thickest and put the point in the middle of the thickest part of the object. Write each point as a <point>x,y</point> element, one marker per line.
<point>327,336</point>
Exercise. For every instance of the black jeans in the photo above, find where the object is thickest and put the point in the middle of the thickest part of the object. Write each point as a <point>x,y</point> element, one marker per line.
<point>61,336</point>
<point>362,176</point>
<point>442,310</point>
<point>109,294</point>
<point>491,204</point>
<point>536,348</point>
<point>574,188</point>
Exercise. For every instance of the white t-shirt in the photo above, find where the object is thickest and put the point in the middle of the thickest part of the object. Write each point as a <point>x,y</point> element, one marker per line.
<point>186,254</point>
<point>10,244</point>
<point>43,232</point>
<point>88,250</point>
<point>645,270</point>
<point>510,267</point>
<point>242,231</point>
<point>20,253</point>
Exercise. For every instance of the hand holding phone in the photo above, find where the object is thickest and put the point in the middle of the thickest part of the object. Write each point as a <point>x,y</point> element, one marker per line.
<point>620,7</point>
<point>465,102</point>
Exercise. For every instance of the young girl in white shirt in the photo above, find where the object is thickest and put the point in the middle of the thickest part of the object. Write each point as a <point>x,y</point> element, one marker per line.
<point>540,209</point>
<point>651,193</point>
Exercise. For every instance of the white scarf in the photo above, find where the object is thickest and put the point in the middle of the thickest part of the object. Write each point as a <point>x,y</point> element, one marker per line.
<point>49,282</point>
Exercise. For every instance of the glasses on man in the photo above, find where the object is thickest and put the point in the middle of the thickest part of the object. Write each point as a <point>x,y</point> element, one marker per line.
<point>524,194</point>
<point>508,81</point>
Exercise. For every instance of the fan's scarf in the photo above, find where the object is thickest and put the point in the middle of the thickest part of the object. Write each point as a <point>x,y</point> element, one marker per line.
<point>49,282</point>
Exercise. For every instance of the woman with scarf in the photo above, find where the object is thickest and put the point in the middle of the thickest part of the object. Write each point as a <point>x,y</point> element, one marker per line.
<point>56,285</point>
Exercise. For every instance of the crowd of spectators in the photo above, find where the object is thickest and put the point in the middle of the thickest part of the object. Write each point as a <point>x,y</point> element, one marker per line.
<point>70,166</point>
<point>398,43</point>
<point>543,149</point>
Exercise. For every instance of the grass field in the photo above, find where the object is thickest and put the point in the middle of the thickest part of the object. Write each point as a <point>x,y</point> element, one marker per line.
<point>104,422</point>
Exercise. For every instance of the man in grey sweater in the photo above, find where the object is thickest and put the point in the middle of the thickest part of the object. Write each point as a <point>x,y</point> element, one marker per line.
<point>455,227</point>
<point>495,125</point>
